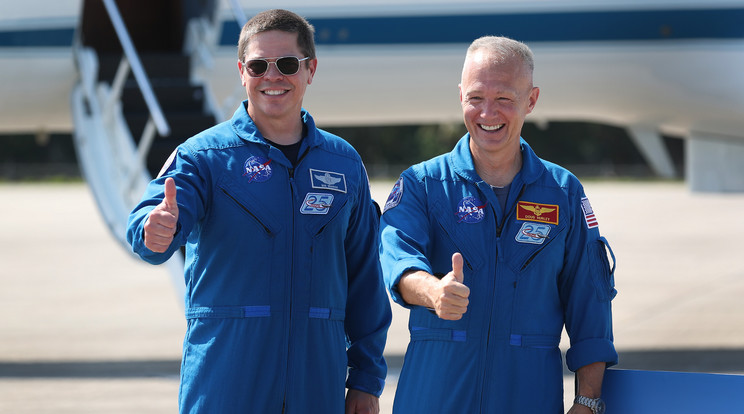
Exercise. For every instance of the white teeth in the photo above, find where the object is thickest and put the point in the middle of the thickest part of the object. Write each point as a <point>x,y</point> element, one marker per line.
<point>491,127</point>
<point>274,92</point>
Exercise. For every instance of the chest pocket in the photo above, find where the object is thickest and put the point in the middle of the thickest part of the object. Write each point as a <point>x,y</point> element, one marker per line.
<point>325,212</point>
<point>456,238</point>
<point>327,274</point>
<point>231,196</point>
<point>451,237</point>
<point>530,254</point>
<point>528,248</point>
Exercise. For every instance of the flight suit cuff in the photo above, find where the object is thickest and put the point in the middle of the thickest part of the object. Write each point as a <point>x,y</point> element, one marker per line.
<point>591,351</point>
<point>362,381</point>
<point>400,269</point>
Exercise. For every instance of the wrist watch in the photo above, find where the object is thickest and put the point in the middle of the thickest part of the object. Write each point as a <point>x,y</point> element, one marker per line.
<point>596,404</point>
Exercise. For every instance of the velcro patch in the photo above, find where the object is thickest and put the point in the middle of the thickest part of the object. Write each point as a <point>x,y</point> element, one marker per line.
<point>316,203</point>
<point>533,233</point>
<point>589,217</point>
<point>257,169</point>
<point>327,180</point>
<point>470,210</point>
<point>541,213</point>
<point>395,195</point>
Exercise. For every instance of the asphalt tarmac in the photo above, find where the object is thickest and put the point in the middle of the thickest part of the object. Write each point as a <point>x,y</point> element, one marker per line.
<point>88,328</point>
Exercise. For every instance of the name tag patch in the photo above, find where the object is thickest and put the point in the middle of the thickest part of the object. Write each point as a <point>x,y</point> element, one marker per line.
<point>316,203</point>
<point>542,213</point>
<point>327,180</point>
<point>533,233</point>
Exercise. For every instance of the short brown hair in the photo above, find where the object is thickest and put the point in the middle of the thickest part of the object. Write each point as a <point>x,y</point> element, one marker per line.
<point>278,19</point>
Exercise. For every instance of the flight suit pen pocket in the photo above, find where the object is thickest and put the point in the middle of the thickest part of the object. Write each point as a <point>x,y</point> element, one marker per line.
<point>603,275</point>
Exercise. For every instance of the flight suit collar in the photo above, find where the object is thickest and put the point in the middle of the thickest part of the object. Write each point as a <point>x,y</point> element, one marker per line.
<point>462,163</point>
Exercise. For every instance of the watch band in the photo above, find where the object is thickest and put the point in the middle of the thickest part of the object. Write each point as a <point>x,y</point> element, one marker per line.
<point>595,404</point>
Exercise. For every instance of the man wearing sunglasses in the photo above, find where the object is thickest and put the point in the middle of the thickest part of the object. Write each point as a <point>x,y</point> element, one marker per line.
<point>285,302</point>
<point>494,251</point>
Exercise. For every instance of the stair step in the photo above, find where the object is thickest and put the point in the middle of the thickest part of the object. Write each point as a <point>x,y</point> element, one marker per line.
<point>183,124</point>
<point>157,65</point>
<point>172,96</point>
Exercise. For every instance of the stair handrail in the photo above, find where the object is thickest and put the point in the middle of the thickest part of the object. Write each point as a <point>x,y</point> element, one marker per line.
<point>238,12</point>
<point>137,68</point>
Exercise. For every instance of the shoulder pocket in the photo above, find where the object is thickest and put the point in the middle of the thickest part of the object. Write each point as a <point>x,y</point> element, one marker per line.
<point>603,274</point>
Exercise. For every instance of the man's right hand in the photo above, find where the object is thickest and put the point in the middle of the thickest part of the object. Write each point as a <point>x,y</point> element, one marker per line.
<point>450,295</point>
<point>162,222</point>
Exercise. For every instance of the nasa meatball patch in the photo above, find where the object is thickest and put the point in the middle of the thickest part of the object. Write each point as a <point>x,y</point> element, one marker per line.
<point>470,210</point>
<point>257,169</point>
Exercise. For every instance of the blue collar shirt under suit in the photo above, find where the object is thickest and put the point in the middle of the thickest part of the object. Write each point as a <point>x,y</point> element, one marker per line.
<point>531,269</point>
<point>285,302</point>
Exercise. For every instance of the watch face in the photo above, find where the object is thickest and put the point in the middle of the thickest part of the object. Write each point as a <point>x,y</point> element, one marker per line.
<point>600,407</point>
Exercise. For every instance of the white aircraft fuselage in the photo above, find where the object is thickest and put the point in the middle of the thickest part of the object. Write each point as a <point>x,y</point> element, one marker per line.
<point>652,66</point>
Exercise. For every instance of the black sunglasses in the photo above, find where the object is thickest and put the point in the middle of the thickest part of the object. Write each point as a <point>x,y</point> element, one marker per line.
<point>287,65</point>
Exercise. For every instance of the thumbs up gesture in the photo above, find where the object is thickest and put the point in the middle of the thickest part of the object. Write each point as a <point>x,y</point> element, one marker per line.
<point>451,300</point>
<point>162,221</point>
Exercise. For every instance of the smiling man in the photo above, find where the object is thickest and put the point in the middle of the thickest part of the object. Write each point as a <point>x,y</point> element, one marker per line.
<point>494,251</point>
<point>285,302</point>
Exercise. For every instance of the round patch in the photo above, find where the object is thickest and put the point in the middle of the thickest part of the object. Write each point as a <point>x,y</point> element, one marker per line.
<point>470,210</point>
<point>257,169</point>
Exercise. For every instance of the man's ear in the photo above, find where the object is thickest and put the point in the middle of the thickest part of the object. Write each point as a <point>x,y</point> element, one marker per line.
<point>240,72</point>
<point>534,94</point>
<point>312,66</point>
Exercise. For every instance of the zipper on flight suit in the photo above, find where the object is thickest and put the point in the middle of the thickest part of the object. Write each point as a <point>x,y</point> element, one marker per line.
<point>499,228</point>
<point>290,286</point>
<point>487,354</point>
<point>292,193</point>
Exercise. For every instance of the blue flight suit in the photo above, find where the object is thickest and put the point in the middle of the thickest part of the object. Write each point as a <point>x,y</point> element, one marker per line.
<point>531,269</point>
<point>285,301</point>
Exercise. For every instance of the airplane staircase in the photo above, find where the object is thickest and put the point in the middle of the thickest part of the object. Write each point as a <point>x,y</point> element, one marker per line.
<point>182,102</point>
<point>137,97</point>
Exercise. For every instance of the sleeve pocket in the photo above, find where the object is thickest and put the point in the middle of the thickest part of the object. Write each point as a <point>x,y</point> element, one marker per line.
<point>603,274</point>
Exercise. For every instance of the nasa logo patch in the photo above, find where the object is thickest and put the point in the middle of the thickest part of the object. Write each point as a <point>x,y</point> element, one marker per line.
<point>316,203</point>
<point>395,195</point>
<point>470,210</point>
<point>533,233</point>
<point>257,169</point>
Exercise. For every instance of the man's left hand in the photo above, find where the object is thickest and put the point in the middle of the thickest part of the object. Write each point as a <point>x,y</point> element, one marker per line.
<point>359,402</point>
<point>579,409</point>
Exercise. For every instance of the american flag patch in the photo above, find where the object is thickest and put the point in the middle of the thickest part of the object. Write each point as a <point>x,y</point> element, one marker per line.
<point>591,219</point>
